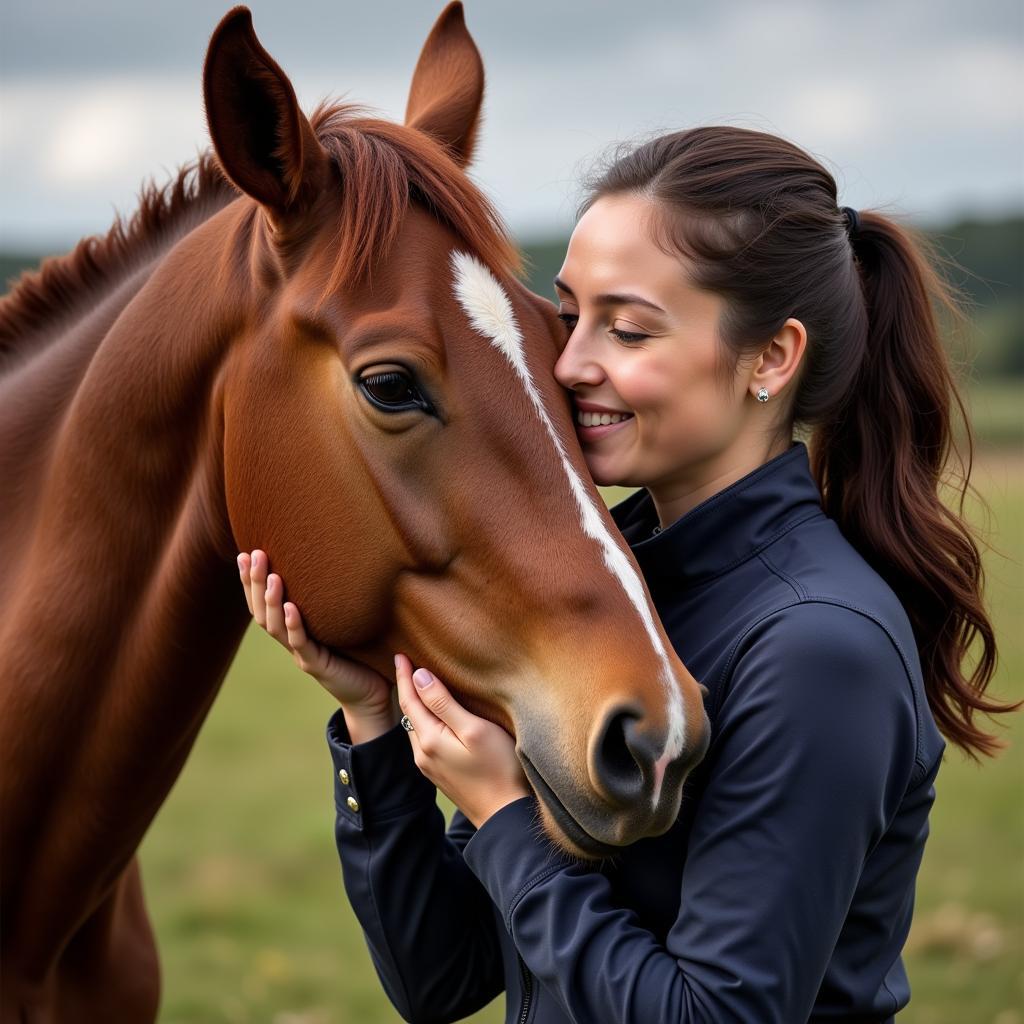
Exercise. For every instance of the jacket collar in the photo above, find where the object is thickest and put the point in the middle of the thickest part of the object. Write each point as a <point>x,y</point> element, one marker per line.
<point>725,529</point>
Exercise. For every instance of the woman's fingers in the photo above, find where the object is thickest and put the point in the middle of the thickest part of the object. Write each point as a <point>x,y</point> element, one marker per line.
<point>264,593</point>
<point>425,724</point>
<point>258,576</point>
<point>287,629</point>
<point>310,656</point>
<point>471,760</point>
<point>430,707</point>
<point>342,677</point>
<point>274,600</point>
<point>244,564</point>
<point>298,639</point>
<point>365,693</point>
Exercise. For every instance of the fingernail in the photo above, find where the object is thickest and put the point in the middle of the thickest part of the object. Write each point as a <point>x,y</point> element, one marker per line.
<point>422,678</point>
<point>396,662</point>
<point>239,561</point>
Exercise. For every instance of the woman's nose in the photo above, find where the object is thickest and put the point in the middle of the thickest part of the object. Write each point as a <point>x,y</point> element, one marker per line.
<point>575,365</point>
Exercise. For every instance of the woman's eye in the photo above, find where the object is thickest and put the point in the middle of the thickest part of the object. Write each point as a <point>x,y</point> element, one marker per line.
<point>393,391</point>
<point>628,335</point>
<point>569,319</point>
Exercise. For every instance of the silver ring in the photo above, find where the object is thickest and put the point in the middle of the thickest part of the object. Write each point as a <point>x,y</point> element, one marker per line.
<point>407,724</point>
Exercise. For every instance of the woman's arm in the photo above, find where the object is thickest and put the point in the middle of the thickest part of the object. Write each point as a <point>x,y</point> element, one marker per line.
<point>429,924</point>
<point>813,750</point>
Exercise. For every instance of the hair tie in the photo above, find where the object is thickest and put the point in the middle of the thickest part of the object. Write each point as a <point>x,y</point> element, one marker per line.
<point>852,219</point>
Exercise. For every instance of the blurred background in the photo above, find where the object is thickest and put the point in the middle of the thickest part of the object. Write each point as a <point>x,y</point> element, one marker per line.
<point>917,108</point>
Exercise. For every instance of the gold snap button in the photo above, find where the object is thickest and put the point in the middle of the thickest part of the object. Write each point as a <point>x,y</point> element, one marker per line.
<point>343,775</point>
<point>353,803</point>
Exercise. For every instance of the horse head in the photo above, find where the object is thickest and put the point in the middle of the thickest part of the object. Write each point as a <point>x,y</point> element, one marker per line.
<point>395,440</point>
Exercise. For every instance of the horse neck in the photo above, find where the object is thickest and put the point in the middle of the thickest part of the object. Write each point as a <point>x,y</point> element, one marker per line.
<point>122,605</point>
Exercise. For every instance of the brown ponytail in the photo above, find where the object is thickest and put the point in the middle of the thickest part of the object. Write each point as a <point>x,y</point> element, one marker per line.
<point>881,462</point>
<point>758,222</point>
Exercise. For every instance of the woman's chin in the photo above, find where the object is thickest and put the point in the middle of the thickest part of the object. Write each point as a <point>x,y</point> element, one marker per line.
<point>605,473</point>
<point>602,470</point>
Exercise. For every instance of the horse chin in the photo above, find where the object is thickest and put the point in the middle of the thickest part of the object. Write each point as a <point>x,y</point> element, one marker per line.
<point>562,827</point>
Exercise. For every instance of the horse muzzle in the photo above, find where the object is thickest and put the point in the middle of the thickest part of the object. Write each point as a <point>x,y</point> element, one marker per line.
<point>632,790</point>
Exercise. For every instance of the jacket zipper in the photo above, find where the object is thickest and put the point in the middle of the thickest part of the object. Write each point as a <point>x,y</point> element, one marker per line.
<point>526,982</point>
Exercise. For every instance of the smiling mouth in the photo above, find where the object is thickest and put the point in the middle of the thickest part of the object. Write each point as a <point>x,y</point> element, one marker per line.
<point>574,832</point>
<point>592,431</point>
<point>588,418</point>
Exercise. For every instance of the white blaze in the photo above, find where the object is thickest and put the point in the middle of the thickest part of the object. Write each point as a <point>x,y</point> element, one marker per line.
<point>490,313</point>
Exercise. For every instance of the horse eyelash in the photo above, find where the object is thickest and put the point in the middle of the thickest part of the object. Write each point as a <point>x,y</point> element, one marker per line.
<point>419,401</point>
<point>379,378</point>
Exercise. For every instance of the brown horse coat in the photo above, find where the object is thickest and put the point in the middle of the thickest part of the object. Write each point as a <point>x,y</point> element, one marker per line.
<point>208,378</point>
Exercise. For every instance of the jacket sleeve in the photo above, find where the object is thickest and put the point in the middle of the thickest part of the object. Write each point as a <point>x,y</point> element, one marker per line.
<point>813,748</point>
<point>429,924</point>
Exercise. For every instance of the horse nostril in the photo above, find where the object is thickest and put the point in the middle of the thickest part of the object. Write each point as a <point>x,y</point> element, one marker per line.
<point>623,757</point>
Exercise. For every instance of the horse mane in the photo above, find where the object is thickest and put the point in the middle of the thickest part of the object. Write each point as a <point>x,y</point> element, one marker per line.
<point>383,167</point>
<point>42,295</point>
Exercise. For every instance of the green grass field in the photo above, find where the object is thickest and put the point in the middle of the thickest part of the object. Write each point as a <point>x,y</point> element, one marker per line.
<point>245,891</point>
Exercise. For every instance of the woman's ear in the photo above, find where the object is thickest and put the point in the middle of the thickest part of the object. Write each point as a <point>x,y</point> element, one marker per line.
<point>779,362</point>
<point>263,141</point>
<point>447,88</point>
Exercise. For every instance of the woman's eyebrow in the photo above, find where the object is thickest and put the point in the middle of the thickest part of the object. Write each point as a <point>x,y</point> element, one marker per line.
<point>612,298</point>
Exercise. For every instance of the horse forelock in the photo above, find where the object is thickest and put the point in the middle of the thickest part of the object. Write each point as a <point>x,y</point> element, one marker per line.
<point>383,167</point>
<point>40,297</point>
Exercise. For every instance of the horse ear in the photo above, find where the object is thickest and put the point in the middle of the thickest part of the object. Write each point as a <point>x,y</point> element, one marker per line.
<point>263,141</point>
<point>448,86</point>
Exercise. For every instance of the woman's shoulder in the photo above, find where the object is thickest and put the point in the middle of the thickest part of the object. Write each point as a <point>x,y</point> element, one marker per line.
<point>821,567</point>
<point>826,665</point>
<point>828,627</point>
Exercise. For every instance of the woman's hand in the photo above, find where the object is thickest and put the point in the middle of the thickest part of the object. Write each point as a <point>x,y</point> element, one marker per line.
<point>471,760</point>
<point>366,697</point>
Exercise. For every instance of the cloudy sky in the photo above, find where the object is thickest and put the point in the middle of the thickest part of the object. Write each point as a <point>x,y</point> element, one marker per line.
<point>917,106</point>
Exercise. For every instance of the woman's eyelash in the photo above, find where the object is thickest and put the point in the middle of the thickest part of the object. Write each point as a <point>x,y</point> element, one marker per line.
<point>628,335</point>
<point>571,319</point>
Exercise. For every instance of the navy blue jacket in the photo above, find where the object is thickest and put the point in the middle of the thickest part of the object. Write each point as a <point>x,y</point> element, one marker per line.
<point>784,891</point>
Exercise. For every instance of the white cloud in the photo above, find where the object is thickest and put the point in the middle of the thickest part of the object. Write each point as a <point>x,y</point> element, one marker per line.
<point>926,114</point>
<point>73,152</point>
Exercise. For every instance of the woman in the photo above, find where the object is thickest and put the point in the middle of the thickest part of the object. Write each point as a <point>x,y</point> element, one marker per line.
<point>715,297</point>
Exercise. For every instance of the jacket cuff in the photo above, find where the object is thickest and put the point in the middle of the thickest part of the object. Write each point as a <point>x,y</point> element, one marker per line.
<point>510,854</point>
<point>376,780</point>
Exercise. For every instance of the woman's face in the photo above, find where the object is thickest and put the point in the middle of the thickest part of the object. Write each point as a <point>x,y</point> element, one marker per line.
<point>642,351</point>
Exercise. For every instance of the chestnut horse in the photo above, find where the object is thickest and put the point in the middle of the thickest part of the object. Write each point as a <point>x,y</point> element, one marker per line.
<point>327,355</point>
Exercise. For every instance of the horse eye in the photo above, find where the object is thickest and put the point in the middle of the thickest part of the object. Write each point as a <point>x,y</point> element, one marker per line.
<point>393,391</point>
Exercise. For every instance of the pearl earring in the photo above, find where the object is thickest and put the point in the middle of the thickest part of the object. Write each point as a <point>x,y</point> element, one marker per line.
<point>762,394</point>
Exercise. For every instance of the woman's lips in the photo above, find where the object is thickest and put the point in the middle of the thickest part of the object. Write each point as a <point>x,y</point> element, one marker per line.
<point>583,409</point>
